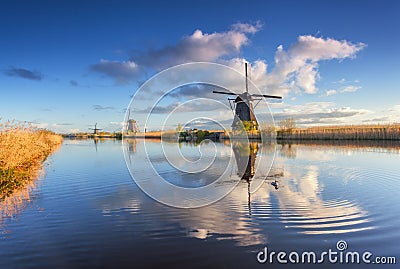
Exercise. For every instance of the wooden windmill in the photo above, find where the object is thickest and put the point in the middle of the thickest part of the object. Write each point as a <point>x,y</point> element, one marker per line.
<point>95,129</point>
<point>243,106</point>
<point>132,126</point>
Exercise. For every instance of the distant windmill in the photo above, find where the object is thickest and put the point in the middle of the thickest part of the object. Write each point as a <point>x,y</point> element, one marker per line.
<point>243,106</point>
<point>95,129</point>
<point>132,126</point>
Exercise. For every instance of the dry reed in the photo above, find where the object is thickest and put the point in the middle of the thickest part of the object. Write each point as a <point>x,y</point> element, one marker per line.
<point>349,132</point>
<point>23,149</point>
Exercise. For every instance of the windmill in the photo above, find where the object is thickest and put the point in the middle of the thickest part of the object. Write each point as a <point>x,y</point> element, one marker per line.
<point>95,129</point>
<point>243,106</point>
<point>132,126</point>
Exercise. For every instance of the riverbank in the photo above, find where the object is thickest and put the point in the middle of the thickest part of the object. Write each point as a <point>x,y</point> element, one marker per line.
<point>388,132</point>
<point>22,152</point>
<point>351,132</point>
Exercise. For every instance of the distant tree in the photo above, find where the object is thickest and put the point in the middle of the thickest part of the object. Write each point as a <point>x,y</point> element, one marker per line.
<point>202,134</point>
<point>267,128</point>
<point>179,128</point>
<point>287,125</point>
<point>268,131</point>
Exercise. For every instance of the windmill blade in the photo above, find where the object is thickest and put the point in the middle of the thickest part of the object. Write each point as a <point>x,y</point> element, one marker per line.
<point>228,93</point>
<point>267,96</point>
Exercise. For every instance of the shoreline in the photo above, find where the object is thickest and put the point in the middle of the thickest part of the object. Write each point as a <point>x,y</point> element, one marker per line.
<point>336,133</point>
<point>22,153</point>
<point>389,132</point>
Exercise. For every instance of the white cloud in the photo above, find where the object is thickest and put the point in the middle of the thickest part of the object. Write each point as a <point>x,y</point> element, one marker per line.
<point>62,124</point>
<point>342,89</point>
<point>114,126</point>
<point>350,88</point>
<point>390,115</point>
<point>117,123</point>
<point>320,113</point>
<point>100,107</point>
<point>298,66</point>
<point>40,125</point>
<point>341,81</point>
<point>393,114</point>
<point>377,120</point>
<point>395,108</point>
<point>247,27</point>
<point>194,105</point>
<point>307,76</point>
<point>317,48</point>
<point>73,131</point>
<point>294,70</point>
<point>330,92</point>
<point>200,47</point>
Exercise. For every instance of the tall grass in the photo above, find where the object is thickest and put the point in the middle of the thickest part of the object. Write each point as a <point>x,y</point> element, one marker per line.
<point>23,149</point>
<point>348,132</point>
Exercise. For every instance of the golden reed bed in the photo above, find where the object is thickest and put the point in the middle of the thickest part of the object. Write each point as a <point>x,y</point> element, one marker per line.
<point>349,132</point>
<point>23,149</point>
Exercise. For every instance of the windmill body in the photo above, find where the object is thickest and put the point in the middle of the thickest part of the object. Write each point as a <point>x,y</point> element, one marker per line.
<point>243,107</point>
<point>132,127</point>
<point>243,104</point>
<point>95,129</point>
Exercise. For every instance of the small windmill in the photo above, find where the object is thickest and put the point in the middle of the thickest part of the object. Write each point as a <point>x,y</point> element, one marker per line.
<point>95,129</point>
<point>243,106</point>
<point>132,126</point>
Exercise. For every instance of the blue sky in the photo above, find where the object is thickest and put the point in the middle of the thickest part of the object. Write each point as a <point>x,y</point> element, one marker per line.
<point>65,65</point>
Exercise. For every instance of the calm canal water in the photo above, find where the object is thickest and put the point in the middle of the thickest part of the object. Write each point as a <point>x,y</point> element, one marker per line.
<point>87,212</point>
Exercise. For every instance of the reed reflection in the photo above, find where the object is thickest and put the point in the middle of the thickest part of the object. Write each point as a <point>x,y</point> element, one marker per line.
<point>289,147</point>
<point>17,202</point>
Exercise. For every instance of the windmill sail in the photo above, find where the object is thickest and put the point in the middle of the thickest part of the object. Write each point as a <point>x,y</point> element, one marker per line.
<point>228,93</point>
<point>95,129</point>
<point>243,106</point>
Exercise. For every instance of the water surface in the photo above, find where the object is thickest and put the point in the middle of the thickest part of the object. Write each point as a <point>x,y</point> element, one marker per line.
<point>87,212</point>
